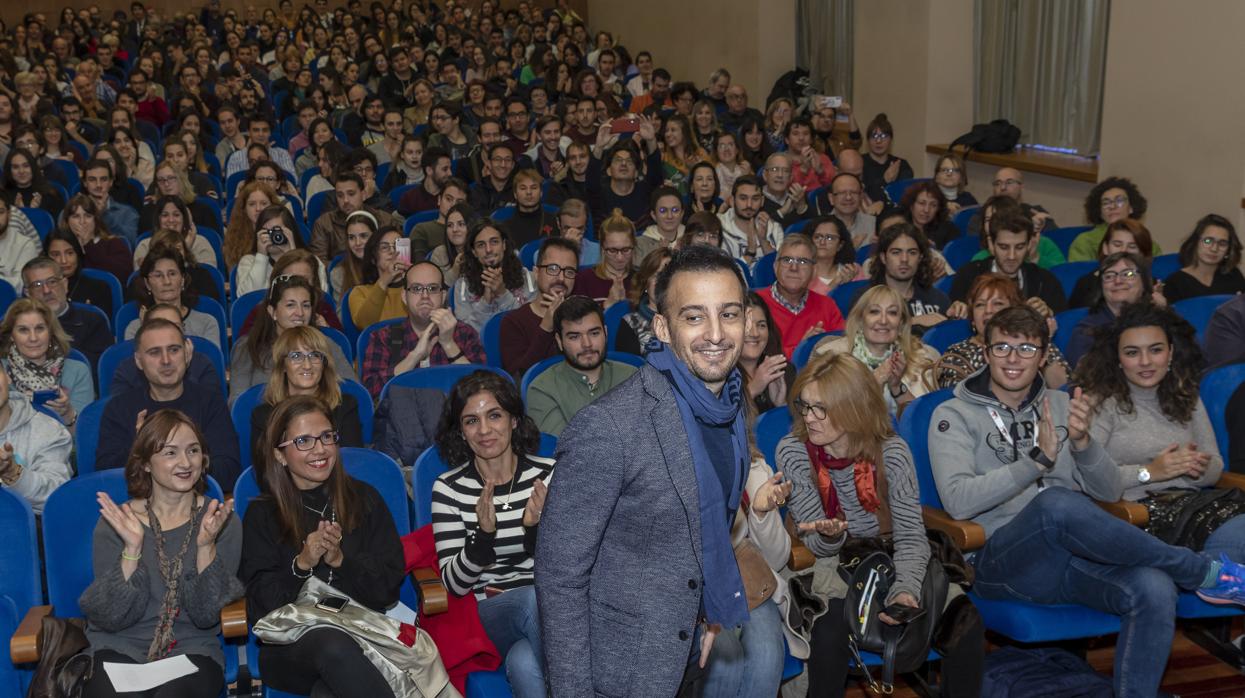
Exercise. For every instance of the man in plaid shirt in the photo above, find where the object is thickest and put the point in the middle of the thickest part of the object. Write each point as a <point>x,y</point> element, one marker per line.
<point>432,336</point>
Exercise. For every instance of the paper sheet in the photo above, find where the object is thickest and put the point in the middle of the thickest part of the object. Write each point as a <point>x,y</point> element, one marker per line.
<point>144,677</point>
<point>403,614</point>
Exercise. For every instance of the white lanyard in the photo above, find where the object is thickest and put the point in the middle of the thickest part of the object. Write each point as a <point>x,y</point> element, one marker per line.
<point>1003,431</point>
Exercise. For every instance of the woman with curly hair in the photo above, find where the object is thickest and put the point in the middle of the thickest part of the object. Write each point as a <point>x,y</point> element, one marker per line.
<point>1112,199</point>
<point>240,238</point>
<point>485,514</point>
<point>493,279</point>
<point>925,207</point>
<point>879,333</point>
<point>1143,372</point>
<point>1208,262</point>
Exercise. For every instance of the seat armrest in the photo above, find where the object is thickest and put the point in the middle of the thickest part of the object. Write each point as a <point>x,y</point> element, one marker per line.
<point>1229,480</point>
<point>800,558</point>
<point>24,645</point>
<point>433,598</point>
<point>1132,512</point>
<point>233,619</point>
<point>968,536</point>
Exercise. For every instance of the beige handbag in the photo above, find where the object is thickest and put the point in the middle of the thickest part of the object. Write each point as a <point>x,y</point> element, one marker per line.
<point>413,671</point>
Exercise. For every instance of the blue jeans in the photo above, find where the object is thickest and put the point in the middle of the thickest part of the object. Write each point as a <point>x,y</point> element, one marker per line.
<point>512,622</point>
<point>746,662</point>
<point>1063,549</point>
<point>1228,539</point>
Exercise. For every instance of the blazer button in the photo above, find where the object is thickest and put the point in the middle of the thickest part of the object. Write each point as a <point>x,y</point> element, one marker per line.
<point>691,584</point>
<point>683,635</point>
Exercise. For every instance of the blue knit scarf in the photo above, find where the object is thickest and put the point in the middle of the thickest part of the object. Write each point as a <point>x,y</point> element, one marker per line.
<point>723,596</point>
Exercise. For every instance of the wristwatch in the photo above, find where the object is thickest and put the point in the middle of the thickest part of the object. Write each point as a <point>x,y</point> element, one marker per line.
<point>1143,475</point>
<point>1039,456</point>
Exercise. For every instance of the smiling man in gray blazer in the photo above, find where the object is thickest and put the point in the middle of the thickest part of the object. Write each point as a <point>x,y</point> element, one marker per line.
<point>635,575</point>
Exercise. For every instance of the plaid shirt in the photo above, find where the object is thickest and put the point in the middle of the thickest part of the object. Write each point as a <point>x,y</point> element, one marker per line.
<point>378,361</point>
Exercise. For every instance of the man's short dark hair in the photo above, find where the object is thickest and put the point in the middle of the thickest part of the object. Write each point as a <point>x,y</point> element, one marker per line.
<point>501,145</point>
<point>558,243</point>
<point>798,121</point>
<point>357,156</point>
<point>433,154</point>
<point>681,88</point>
<point>258,117</point>
<point>1012,220</point>
<point>97,163</point>
<point>660,192</point>
<point>745,180</point>
<point>348,176</point>
<point>697,258</point>
<point>1020,321</point>
<point>574,309</point>
<point>662,73</point>
<point>155,323</point>
<point>457,183</point>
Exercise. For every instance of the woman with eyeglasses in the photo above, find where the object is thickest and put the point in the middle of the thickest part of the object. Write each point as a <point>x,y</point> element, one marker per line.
<point>952,181</point>
<point>609,281</point>
<point>990,293</point>
<point>291,302</point>
<point>493,279</point>
<point>165,277</point>
<point>313,519</point>
<point>881,166</point>
<point>1125,280</point>
<point>173,181</point>
<point>728,158</point>
<point>1124,235</point>
<point>852,476</point>
<point>1111,200</point>
<point>379,297</point>
<point>836,256</point>
<point>702,228</point>
<point>101,249</point>
<point>1209,260</point>
<point>305,362</point>
<point>878,332</point>
<point>485,516</point>
<point>276,234</point>
<point>165,564</point>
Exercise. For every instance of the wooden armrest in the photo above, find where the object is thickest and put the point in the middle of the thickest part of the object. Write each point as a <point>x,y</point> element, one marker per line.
<point>1132,512</point>
<point>233,619</point>
<point>800,558</point>
<point>967,535</point>
<point>432,595</point>
<point>24,645</point>
<point>1229,480</point>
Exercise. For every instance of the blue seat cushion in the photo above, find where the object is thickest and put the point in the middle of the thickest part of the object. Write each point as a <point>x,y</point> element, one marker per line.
<point>1030,622</point>
<point>488,684</point>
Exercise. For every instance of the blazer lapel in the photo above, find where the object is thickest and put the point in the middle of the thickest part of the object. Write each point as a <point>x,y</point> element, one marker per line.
<point>675,450</point>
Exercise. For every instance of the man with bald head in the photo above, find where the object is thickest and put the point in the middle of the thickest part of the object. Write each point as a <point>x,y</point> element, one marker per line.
<point>1010,182</point>
<point>736,109</point>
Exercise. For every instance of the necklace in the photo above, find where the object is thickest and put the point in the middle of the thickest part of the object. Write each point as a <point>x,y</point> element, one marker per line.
<point>319,511</point>
<point>506,504</point>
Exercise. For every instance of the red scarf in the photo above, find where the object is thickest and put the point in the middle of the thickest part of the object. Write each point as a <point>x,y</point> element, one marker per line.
<point>862,474</point>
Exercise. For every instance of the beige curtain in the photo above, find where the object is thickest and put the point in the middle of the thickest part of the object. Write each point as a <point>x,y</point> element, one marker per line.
<point>1040,65</point>
<point>824,44</point>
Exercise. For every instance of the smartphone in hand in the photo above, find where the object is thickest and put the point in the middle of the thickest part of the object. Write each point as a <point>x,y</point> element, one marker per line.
<point>403,248</point>
<point>903,614</point>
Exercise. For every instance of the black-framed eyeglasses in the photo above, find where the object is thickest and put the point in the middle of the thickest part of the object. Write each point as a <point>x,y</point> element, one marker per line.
<point>1125,275</point>
<point>825,239</point>
<point>804,408</point>
<point>1215,243</point>
<point>306,443</point>
<point>424,290</point>
<point>795,261</point>
<point>1002,350</point>
<point>297,357</point>
<point>567,273</point>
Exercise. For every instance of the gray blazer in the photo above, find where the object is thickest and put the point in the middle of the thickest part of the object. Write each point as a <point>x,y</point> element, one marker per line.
<point>618,559</point>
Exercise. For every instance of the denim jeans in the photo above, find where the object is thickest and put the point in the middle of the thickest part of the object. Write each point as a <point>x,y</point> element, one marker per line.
<point>1063,549</point>
<point>746,662</point>
<point>512,622</point>
<point>1228,539</point>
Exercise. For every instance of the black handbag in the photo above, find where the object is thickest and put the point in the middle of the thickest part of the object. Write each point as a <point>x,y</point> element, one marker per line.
<point>903,648</point>
<point>63,666</point>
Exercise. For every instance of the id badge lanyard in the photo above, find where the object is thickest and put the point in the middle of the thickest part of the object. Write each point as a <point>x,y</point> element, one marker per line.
<point>1007,436</point>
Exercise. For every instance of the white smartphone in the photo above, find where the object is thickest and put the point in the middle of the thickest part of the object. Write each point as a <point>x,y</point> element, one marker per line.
<point>403,247</point>
<point>825,102</point>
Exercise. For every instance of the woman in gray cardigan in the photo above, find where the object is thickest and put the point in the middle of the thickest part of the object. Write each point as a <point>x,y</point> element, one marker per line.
<point>165,564</point>
<point>291,302</point>
<point>841,434</point>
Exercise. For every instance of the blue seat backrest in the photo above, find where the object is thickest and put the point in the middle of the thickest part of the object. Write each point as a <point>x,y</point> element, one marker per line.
<point>763,270</point>
<point>42,220</point>
<point>340,339</point>
<point>416,218</point>
<point>241,308</point>
<point>1070,272</point>
<point>440,378</point>
<point>373,467</point>
<point>109,279</point>
<point>1199,310</point>
<point>962,218</point>
<point>503,214</point>
<point>7,295</point>
<point>896,189</point>
<point>1218,386</point>
<point>844,294</point>
<point>770,427</point>
<point>1164,266</point>
<point>960,251</point>
<point>945,283</point>
<point>86,435</point>
<point>365,337</point>
<point>1064,237</point>
<point>69,518</point>
<point>367,412</point>
<point>10,678</point>
<point>218,282</point>
<point>743,268</point>
<point>348,326</point>
<point>804,350</point>
<point>19,556</point>
<point>315,206</point>
<point>864,253</point>
<point>491,338</point>
<point>395,194</point>
<point>613,322</point>
<point>527,253</point>
<point>914,428</point>
<point>213,307</point>
<point>944,334</point>
<point>240,413</point>
<point>1067,321</point>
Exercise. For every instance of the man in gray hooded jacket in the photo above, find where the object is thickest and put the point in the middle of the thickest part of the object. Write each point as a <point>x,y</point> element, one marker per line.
<point>1019,461</point>
<point>34,448</point>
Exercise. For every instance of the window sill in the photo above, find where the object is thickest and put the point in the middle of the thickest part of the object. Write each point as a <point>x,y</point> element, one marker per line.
<point>1072,167</point>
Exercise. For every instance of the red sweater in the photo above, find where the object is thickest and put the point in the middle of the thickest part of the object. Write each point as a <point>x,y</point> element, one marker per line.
<point>791,327</point>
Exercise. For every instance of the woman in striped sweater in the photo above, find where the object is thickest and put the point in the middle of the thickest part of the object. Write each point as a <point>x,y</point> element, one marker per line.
<point>841,434</point>
<point>484,517</point>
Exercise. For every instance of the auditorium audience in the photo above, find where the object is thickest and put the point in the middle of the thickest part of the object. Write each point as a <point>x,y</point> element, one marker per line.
<point>796,312</point>
<point>493,279</point>
<point>1125,279</point>
<point>164,276</point>
<point>1112,199</point>
<point>1210,261</point>
<point>1124,235</point>
<point>527,333</point>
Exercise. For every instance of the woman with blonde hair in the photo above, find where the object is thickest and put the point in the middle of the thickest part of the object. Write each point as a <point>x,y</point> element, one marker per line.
<point>609,281</point>
<point>240,238</point>
<point>301,366</point>
<point>34,349</point>
<point>879,333</point>
<point>852,477</point>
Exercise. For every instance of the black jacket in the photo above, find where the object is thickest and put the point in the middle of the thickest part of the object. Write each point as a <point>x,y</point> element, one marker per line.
<point>1037,282</point>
